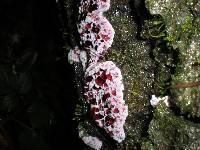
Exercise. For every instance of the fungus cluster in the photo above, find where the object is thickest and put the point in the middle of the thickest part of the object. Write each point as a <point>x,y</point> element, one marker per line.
<point>103,88</point>
<point>104,91</point>
<point>96,35</point>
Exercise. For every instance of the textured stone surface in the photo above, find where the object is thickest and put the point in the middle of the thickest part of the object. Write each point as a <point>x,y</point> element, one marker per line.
<point>132,57</point>
<point>167,131</point>
<point>181,19</point>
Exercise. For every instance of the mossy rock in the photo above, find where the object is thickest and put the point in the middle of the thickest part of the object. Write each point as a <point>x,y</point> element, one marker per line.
<point>182,27</point>
<point>167,131</point>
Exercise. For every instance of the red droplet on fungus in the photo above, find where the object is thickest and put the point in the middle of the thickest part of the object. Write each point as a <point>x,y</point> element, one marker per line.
<point>109,121</point>
<point>105,85</point>
<point>98,116</point>
<point>105,96</point>
<point>106,38</point>
<point>94,109</point>
<point>97,37</point>
<point>114,92</point>
<point>116,110</point>
<point>99,81</point>
<point>103,75</point>
<point>109,77</point>
<point>88,26</point>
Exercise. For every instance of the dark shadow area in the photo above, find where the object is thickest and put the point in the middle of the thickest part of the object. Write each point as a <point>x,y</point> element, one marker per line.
<point>37,90</point>
<point>139,13</point>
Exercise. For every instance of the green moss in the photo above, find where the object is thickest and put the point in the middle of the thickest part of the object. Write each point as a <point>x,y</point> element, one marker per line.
<point>170,38</point>
<point>153,28</point>
<point>147,145</point>
<point>198,60</point>
<point>187,25</point>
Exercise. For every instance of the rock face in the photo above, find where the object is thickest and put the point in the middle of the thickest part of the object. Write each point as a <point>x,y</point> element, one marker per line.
<point>167,131</point>
<point>178,126</point>
<point>132,56</point>
<point>183,33</point>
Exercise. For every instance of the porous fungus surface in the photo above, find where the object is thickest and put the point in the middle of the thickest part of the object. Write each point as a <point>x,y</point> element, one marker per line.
<point>96,35</point>
<point>104,91</point>
<point>103,80</point>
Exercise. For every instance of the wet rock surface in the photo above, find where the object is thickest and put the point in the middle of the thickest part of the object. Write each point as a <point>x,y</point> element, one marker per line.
<point>182,33</point>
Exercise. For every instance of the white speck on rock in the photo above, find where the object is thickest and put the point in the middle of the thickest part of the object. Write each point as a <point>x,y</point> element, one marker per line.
<point>155,100</point>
